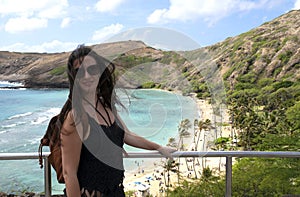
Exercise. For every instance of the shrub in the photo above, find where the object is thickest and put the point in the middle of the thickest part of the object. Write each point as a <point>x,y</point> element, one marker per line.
<point>149,84</point>
<point>58,70</point>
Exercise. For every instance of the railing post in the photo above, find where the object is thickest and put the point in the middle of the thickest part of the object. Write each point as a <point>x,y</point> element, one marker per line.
<point>47,177</point>
<point>228,176</point>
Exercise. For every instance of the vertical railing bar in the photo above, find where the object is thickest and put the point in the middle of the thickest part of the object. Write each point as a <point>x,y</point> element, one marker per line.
<point>228,176</point>
<point>47,177</point>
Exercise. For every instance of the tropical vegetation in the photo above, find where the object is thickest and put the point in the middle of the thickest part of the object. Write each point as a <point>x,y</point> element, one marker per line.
<point>263,98</point>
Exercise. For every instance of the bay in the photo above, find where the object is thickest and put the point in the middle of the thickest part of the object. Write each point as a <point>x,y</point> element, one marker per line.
<point>25,114</point>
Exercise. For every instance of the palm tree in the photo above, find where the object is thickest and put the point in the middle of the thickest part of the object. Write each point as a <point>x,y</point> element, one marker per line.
<point>196,131</point>
<point>170,166</point>
<point>246,119</point>
<point>203,126</point>
<point>172,142</point>
<point>183,132</point>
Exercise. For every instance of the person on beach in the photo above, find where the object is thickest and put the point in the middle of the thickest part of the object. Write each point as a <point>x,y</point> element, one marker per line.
<point>92,133</point>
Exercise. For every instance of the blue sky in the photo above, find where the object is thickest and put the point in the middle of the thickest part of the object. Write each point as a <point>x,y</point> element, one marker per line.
<point>60,25</point>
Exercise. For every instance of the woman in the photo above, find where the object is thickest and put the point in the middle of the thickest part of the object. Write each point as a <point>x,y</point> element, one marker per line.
<point>91,132</point>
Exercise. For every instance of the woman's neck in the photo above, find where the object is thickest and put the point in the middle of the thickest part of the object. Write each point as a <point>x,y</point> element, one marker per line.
<point>90,99</point>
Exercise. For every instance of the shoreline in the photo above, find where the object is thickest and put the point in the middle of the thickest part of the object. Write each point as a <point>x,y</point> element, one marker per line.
<point>152,178</point>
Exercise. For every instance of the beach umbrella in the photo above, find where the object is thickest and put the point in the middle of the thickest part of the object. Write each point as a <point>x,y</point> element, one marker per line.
<point>149,178</point>
<point>142,187</point>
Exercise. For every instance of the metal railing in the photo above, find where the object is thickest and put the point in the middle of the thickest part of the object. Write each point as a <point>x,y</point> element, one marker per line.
<point>154,154</point>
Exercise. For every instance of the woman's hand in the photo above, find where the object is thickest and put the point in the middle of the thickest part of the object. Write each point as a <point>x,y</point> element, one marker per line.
<point>167,151</point>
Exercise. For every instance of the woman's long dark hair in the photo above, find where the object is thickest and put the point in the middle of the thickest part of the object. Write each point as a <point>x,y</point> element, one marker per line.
<point>105,89</point>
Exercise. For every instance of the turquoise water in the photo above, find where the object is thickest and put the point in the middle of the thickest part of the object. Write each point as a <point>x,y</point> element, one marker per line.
<point>25,113</point>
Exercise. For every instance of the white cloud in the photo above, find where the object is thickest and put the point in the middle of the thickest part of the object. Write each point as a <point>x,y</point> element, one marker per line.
<point>43,9</point>
<point>107,32</point>
<point>20,7</point>
<point>31,14</point>
<point>297,5</point>
<point>88,8</point>
<point>55,9</point>
<point>65,22</point>
<point>158,16</point>
<point>49,47</point>
<point>208,10</point>
<point>108,5</point>
<point>56,46</point>
<point>20,24</point>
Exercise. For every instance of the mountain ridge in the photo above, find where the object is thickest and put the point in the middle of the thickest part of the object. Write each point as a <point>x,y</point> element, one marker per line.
<point>268,51</point>
<point>271,49</point>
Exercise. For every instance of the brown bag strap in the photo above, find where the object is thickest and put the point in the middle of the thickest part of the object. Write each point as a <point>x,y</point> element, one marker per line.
<point>44,142</point>
<point>41,155</point>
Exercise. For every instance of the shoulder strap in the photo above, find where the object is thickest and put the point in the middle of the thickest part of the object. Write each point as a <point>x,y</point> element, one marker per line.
<point>102,115</point>
<point>107,123</point>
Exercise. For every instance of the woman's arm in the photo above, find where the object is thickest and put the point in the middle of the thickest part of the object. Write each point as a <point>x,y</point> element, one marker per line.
<point>71,147</point>
<point>137,141</point>
<point>140,142</point>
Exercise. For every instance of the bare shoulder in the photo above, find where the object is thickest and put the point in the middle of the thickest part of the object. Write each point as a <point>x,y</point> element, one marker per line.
<point>69,126</point>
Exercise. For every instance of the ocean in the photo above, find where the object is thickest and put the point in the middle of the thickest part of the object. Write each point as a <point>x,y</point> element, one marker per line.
<point>25,113</point>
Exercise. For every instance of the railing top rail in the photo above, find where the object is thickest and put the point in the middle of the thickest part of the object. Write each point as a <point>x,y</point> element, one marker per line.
<point>156,154</point>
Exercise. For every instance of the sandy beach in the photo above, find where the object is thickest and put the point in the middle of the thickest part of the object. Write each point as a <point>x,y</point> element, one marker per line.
<point>151,178</point>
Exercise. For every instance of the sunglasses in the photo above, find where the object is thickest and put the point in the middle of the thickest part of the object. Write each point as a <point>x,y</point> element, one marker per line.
<point>92,70</point>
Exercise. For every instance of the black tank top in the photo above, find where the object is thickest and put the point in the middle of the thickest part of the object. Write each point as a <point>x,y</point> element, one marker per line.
<point>101,160</point>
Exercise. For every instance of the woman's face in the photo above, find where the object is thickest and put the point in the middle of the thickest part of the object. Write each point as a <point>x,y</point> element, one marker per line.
<point>88,74</point>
